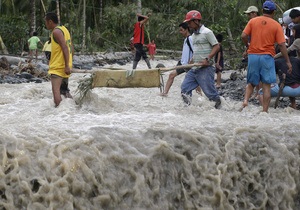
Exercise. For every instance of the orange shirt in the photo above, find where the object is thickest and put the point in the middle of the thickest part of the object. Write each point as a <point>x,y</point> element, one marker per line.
<point>264,32</point>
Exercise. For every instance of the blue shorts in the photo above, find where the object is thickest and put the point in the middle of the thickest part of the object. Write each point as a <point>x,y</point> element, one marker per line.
<point>261,68</point>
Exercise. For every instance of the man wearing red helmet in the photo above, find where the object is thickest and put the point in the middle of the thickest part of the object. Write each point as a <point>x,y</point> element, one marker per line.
<point>205,46</point>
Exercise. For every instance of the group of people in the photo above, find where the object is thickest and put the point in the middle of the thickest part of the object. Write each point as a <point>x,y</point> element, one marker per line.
<point>204,48</point>
<point>260,36</point>
<point>200,47</point>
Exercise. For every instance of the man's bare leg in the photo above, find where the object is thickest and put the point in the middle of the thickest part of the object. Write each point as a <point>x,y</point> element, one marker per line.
<point>293,102</point>
<point>248,93</point>
<point>169,83</point>
<point>199,90</point>
<point>56,82</point>
<point>266,96</point>
<point>218,80</point>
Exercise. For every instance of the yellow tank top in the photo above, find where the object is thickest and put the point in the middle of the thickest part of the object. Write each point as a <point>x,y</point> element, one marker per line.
<point>57,61</point>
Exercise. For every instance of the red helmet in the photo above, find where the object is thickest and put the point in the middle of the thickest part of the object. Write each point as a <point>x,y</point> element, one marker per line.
<point>192,15</point>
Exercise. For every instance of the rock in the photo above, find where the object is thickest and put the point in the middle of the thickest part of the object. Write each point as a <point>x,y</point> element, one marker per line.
<point>36,80</point>
<point>160,65</point>
<point>25,75</point>
<point>4,63</point>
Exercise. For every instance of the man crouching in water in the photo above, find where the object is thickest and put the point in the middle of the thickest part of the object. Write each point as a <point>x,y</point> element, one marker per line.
<point>60,64</point>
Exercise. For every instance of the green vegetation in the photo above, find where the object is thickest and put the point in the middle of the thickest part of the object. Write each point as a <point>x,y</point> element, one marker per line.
<point>108,24</point>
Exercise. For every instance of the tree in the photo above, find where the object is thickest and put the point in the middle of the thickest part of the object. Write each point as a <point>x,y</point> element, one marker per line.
<point>139,6</point>
<point>58,10</point>
<point>3,49</point>
<point>32,16</point>
<point>110,21</point>
<point>83,47</point>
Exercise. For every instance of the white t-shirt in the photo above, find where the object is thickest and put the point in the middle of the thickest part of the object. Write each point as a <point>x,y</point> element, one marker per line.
<point>187,54</point>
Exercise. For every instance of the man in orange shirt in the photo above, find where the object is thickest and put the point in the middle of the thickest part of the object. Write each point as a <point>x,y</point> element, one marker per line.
<point>264,32</point>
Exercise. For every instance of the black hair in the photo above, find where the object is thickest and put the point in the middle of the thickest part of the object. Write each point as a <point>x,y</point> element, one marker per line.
<point>34,33</point>
<point>219,37</point>
<point>269,12</point>
<point>184,25</point>
<point>140,18</point>
<point>297,31</point>
<point>294,13</point>
<point>52,16</point>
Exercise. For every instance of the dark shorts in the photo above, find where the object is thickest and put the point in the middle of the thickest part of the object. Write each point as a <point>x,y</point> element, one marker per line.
<point>218,70</point>
<point>64,84</point>
<point>139,52</point>
<point>180,71</point>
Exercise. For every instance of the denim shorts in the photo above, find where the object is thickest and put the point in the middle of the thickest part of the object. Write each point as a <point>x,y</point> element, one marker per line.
<point>261,68</point>
<point>286,92</point>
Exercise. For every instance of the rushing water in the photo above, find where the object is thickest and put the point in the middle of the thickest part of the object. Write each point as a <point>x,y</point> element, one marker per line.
<point>132,149</point>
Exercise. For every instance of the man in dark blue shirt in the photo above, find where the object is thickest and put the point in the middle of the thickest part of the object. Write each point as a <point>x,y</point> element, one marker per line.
<point>292,81</point>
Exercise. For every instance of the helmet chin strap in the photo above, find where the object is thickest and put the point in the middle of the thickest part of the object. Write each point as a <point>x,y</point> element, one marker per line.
<point>198,24</point>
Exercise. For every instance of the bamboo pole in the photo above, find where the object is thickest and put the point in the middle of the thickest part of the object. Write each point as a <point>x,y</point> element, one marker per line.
<point>43,5</point>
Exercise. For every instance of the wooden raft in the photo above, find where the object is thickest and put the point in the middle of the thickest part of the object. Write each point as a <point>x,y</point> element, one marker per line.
<point>119,79</point>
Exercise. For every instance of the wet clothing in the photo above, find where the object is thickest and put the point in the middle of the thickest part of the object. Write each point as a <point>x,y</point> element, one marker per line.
<point>47,50</point>
<point>138,41</point>
<point>186,55</point>
<point>294,77</point>
<point>203,77</point>
<point>221,62</point>
<point>138,33</point>
<point>33,41</point>
<point>261,68</point>
<point>151,48</point>
<point>64,89</point>
<point>203,41</point>
<point>295,46</point>
<point>286,92</point>
<point>292,81</point>
<point>264,32</point>
<point>140,52</point>
<point>57,61</point>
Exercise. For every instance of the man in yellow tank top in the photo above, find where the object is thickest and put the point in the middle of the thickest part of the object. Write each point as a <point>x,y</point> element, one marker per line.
<point>60,64</point>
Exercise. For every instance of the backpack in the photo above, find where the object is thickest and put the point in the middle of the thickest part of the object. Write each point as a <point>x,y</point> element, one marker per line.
<point>189,44</point>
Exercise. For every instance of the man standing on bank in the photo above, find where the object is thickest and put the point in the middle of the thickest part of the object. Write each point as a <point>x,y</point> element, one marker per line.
<point>138,41</point>
<point>60,64</point>
<point>264,32</point>
<point>205,47</point>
